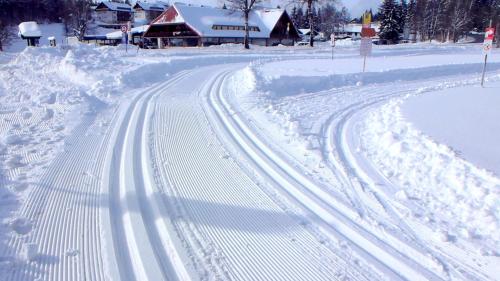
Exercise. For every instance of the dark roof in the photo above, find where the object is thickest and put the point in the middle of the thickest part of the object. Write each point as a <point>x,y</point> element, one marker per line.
<point>113,6</point>
<point>150,6</point>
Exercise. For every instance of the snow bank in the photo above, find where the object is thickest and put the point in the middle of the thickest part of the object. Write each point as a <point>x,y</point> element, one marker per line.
<point>44,94</point>
<point>439,187</point>
<point>292,77</point>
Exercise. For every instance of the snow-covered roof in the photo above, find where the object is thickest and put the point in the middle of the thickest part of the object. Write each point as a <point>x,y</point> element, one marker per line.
<point>305,31</point>
<point>269,17</point>
<point>113,6</point>
<point>157,6</point>
<point>29,29</point>
<point>119,34</point>
<point>205,20</point>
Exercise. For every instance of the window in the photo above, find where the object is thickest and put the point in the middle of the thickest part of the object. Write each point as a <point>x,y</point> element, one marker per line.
<point>234,27</point>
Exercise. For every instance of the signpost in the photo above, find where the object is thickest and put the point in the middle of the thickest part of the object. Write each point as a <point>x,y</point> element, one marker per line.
<point>365,49</point>
<point>487,46</point>
<point>124,29</point>
<point>332,42</point>
<point>367,32</point>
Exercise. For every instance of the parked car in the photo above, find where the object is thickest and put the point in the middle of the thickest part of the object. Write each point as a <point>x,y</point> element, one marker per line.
<point>302,43</point>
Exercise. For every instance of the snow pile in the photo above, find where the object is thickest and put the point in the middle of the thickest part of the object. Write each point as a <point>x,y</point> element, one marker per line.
<point>439,187</point>
<point>29,29</point>
<point>244,81</point>
<point>34,106</point>
<point>293,77</point>
<point>271,113</point>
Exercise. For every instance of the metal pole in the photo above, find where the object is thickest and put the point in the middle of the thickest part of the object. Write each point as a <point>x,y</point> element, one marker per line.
<point>364,64</point>
<point>485,62</point>
<point>484,69</point>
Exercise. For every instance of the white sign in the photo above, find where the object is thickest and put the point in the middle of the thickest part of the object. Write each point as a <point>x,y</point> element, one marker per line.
<point>487,46</point>
<point>365,48</point>
<point>332,40</point>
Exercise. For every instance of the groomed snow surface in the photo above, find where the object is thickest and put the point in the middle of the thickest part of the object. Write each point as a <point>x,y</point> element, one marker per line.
<point>271,164</point>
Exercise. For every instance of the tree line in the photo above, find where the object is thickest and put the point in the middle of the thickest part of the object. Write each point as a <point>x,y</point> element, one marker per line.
<point>325,18</point>
<point>442,20</point>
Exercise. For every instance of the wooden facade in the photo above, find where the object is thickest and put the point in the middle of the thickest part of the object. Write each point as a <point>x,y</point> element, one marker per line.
<point>284,31</point>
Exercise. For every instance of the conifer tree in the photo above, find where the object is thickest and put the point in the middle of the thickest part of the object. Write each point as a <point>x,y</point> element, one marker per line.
<point>389,24</point>
<point>411,19</point>
<point>402,12</point>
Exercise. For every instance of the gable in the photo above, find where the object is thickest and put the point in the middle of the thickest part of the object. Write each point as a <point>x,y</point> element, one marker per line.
<point>169,16</point>
<point>285,27</point>
<point>149,7</point>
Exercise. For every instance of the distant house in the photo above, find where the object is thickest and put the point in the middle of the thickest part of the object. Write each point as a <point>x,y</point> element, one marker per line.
<point>112,15</point>
<point>353,30</point>
<point>188,25</point>
<point>144,13</point>
<point>305,33</point>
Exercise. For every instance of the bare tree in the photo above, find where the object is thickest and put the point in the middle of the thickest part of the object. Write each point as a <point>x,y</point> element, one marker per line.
<point>460,19</point>
<point>245,6</point>
<point>76,15</point>
<point>5,35</point>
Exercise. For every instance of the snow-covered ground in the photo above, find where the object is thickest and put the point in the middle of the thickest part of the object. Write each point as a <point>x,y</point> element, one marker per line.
<point>224,164</point>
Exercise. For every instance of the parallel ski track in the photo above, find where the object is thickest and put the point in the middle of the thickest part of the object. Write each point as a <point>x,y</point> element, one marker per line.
<point>141,245</point>
<point>231,229</point>
<point>69,209</point>
<point>279,177</point>
<point>337,132</point>
<point>372,246</point>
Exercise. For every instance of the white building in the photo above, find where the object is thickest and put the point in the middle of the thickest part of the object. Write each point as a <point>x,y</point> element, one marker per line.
<point>353,30</point>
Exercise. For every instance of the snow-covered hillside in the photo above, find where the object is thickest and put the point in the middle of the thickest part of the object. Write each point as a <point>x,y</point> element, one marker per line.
<point>224,164</point>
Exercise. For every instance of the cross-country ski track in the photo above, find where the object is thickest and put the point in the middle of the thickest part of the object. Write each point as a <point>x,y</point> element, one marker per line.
<point>177,184</point>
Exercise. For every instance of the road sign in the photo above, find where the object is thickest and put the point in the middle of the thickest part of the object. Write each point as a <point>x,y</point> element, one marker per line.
<point>487,46</point>
<point>332,40</point>
<point>490,34</point>
<point>367,19</point>
<point>124,28</point>
<point>368,32</point>
<point>365,48</point>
